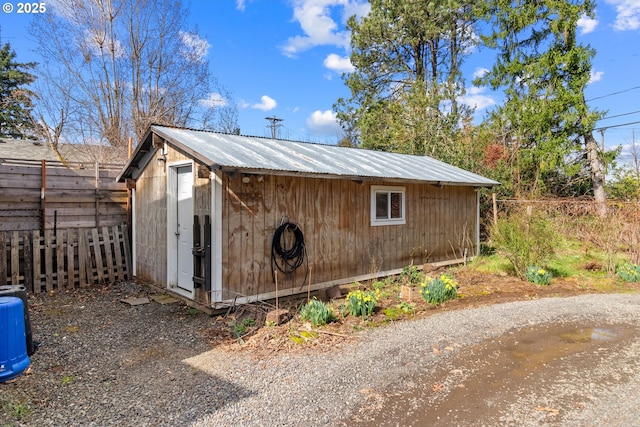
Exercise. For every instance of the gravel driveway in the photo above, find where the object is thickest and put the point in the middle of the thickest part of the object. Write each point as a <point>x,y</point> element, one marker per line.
<point>102,362</point>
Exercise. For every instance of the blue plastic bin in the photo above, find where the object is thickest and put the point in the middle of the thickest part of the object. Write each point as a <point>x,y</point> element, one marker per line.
<point>13,345</point>
<point>21,292</point>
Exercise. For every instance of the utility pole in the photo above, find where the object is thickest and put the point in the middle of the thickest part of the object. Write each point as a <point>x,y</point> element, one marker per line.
<point>273,125</point>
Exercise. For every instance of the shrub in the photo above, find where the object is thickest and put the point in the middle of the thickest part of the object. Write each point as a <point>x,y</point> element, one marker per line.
<point>537,275</point>
<point>362,303</point>
<point>524,240</point>
<point>629,272</point>
<point>440,289</point>
<point>317,312</point>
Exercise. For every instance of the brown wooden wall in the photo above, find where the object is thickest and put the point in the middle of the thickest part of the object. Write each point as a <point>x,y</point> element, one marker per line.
<point>334,216</point>
<point>77,196</point>
<point>151,216</point>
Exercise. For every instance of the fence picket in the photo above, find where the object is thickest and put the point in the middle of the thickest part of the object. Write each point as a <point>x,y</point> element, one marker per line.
<point>15,257</point>
<point>3,259</point>
<point>82,258</point>
<point>98,254</point>
<point>27,262</point>
<point>48,259</point>
<point>70,259</point>
<point>106,238</point>
<point>37,265</point>
<point>60,237</point>
<point>119,273</point>
<point>46,262</point>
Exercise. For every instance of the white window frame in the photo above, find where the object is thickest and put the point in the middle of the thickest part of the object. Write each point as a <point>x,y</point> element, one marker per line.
<point>377,189</point>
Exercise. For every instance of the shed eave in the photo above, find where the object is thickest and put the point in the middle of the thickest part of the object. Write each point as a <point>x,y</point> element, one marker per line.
<point>233,170</point>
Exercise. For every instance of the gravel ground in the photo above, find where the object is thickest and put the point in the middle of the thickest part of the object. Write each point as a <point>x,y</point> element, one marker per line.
<point>102,362</point>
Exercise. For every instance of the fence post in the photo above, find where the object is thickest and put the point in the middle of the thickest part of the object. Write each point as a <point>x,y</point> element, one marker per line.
<point>43,187</point>
<point>97,172</point>
<point>495,208</point>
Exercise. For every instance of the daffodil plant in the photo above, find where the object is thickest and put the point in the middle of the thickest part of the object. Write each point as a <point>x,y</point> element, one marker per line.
<point>362,303</point>
<point>538,275</point>
<point>629,272</point>
<point>439,289</point>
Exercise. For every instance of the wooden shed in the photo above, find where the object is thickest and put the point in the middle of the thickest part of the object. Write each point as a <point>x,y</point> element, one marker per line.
<point>217,217</point>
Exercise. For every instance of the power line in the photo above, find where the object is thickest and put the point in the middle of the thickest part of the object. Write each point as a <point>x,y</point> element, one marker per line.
<point>617,126</point>
<point>620,115</point>
<point>614,93</point>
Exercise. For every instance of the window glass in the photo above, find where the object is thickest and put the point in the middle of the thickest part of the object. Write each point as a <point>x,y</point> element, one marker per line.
<point>396,205</point>
<point>382,205</point>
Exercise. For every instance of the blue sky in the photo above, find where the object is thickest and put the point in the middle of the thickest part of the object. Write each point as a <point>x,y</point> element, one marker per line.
<point>284,58</point>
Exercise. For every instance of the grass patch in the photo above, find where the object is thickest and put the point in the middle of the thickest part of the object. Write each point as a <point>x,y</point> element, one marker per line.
<point>18,411</point>
<point>492,264</point>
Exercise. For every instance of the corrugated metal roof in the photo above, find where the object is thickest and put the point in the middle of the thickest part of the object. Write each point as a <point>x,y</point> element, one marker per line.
<point>261,155</point>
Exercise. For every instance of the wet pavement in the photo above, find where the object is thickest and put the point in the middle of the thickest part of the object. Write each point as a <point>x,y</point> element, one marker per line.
<point>482,384</point>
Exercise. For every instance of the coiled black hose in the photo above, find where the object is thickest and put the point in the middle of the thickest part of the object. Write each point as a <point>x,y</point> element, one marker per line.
<point>287,259</point>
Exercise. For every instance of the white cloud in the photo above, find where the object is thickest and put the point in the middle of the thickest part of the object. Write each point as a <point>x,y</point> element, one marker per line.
<point>339,63</point>
<point>628,153</point>
<point>596,76</point>
<point>586,24</point>
<point>323,123</point>
<point>99,43</point>
<point>480,72</point>
<point>240,5</point>
<point>195,48</point>
<point>475,99</point>
<point>214,100</point>
<point>319,27</point>
<point>628,14</point>
<point>266,103</point>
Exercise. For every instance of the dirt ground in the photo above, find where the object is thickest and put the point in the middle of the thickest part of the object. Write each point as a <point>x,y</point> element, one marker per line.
<point>474,289</point>
<point>97,355</point>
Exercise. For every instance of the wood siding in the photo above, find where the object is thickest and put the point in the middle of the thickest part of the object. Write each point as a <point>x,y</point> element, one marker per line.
<point>151,216</point>
<point>334,216</point>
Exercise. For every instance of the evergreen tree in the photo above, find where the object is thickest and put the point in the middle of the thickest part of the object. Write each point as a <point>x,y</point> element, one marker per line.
<point>407,80</point>
<point>544,70</point>
<point>15,97</point>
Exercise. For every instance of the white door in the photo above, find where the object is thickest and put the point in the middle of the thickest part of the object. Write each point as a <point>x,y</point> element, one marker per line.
<point>184,227</point>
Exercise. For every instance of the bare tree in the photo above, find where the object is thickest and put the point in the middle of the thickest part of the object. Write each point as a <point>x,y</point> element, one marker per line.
<point>226,109</point>
<point>132,63</point>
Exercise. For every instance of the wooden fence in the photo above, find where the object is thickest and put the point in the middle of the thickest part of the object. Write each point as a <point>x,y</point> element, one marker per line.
<point>46,195</point>
<point>65,258</point>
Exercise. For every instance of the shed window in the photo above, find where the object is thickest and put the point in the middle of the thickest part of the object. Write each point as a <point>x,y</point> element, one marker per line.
<point>387,205</point>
